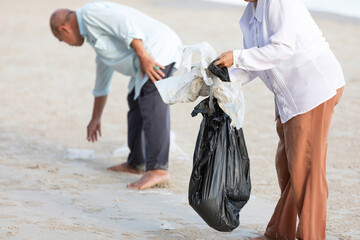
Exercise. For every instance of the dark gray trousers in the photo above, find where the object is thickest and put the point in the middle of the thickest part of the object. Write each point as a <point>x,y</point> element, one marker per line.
<point>149,127</point>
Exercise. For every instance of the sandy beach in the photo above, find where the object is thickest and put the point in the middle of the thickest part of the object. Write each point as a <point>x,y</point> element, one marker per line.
<point>46,103</point>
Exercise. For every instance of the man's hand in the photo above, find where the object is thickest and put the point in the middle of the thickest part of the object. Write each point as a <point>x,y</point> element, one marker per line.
<point>147,62</point>
<point>151,68</point>
<point>226,59</point>
<point>93,129</point>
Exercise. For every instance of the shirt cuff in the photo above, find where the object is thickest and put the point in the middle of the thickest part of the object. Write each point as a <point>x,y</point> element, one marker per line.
<point>133,36</point>
<point>101,93</point>
<point>239,75</point>
<point>237,58</point>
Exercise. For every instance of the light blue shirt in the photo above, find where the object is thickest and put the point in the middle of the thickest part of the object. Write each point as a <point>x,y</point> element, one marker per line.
<point>110,28</point>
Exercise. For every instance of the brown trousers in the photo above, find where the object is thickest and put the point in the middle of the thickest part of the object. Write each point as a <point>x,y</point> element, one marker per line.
<point>301,168</point>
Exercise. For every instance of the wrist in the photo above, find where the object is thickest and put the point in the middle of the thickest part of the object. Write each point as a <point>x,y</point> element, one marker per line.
<point>95,119</point>
<point>141,53</point>
<point>138,47</point>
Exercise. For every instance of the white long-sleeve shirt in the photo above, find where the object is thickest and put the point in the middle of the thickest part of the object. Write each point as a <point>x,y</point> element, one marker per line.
<point>285,48</point>
<point>110,28</point>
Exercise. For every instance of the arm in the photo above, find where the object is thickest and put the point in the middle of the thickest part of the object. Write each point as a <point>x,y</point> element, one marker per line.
<point>125,28</point>
<point>147,63</point>
<point>94,126</point>
<point>101,90</point>
<point>281,22</point>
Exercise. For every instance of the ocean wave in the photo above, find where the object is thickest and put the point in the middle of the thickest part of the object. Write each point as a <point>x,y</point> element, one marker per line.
<point>349,8</point>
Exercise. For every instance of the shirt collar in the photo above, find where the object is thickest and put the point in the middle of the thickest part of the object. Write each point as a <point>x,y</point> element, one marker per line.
<point>80,21</point>
<point>258,11</point>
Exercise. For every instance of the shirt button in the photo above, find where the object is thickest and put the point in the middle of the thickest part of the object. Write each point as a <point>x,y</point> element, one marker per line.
<point>237,65</point>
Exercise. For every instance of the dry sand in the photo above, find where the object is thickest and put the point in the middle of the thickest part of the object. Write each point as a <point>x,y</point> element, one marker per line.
<point>46,103</point>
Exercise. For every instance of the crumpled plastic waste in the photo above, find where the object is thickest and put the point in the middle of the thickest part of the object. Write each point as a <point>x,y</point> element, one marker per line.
<point>80,154</point>
<point>197,81</point>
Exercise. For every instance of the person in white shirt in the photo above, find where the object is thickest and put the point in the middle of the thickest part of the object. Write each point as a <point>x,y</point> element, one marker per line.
<point>129,42</point>
<point>284,47</point>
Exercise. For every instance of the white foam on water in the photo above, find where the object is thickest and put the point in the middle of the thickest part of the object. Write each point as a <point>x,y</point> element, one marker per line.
<point>349,8</point>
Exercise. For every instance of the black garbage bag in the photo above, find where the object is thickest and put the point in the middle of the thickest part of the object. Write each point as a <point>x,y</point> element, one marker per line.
<point>221,73</point>
<point>220,180</point>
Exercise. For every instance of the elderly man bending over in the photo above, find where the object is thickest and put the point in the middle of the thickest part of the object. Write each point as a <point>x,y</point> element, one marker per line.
<point>136,45</point>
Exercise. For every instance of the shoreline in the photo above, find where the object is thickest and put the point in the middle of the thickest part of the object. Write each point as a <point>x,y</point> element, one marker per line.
<point>335,17</point>
<point>315,13</point>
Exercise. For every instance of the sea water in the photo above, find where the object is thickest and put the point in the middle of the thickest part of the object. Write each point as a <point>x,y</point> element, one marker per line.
<point>349,8</point>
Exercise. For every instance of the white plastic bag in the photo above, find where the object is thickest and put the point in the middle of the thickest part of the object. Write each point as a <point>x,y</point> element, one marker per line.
<point>195,80</point>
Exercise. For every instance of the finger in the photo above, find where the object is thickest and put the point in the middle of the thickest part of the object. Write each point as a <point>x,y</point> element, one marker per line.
<point>218,62</point>
<point>92,134</point>
<point>161,73</point>
<point>156,75</point>
<point>151,77</point>
<point>99,132</point>
<point>160,66</point>
<point>157,68</point>
<point>87,135</point>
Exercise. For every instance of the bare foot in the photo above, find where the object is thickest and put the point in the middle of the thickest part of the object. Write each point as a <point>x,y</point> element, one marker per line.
<point>124,167</point>
<point>261,238</point>
<point>150,179</point>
